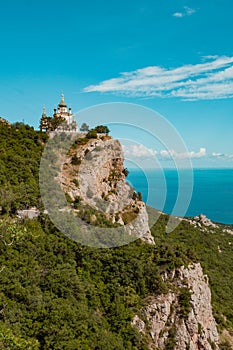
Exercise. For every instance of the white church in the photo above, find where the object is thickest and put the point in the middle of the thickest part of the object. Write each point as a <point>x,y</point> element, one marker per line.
<point>61,113</point>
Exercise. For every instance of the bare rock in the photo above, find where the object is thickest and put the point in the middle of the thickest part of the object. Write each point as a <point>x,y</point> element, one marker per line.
<point>167,325</point>
<point>99,180</point>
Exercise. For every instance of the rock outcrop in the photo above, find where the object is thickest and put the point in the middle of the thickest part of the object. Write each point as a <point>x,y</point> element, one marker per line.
<point>95,174</point>
<point>182,319</point>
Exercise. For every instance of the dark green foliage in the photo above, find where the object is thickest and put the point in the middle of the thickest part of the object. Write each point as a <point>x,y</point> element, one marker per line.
<point>80,141</point>
<point>92,134</point>
<point>125,172</point>
<point>68,198</point>
<point>200,329</point>
<point>52,123</point>
<point>77,202</point>
<point>225,345</point>
<point>204,247</point>
<point>76,182</point>
<point>139,196</point>
<point>84,127</point>
<point>67,296</point>
<point>102,129</point>
<point>171,341</point>
<point>56,294</point>
<point>128,216</point>
<point>10,341</point>
<point>75,160</point>
<point>184,302</point>
<point>20,151</point>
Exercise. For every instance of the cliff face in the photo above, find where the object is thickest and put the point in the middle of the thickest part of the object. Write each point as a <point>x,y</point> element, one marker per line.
<point>181,319</point>
<point>94,173</point>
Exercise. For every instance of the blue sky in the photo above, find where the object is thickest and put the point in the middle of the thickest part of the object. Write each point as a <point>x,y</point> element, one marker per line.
<point>172,56</point>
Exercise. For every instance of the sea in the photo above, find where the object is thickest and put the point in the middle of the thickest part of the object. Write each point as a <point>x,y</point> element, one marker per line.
<point>211,191</point>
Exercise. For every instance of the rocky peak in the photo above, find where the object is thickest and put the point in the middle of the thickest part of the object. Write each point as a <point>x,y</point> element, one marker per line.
<point>95,174</point>
<point>182,319</point>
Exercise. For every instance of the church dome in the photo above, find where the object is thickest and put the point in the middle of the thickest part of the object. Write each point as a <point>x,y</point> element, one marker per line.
<point>62,103</point>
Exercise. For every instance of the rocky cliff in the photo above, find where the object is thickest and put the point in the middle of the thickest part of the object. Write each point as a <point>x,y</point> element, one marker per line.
<point>94,175</point>
<point>182,319</point>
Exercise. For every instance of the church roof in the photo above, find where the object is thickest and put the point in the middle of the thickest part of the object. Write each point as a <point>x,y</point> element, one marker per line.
<point>62,102</point>
<point>44,112</point>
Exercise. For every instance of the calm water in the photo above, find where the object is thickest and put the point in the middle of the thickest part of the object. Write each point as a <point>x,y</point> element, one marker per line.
<point>212,191</point>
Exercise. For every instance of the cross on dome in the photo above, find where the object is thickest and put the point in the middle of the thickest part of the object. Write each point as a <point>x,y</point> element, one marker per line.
<point>62,103</point>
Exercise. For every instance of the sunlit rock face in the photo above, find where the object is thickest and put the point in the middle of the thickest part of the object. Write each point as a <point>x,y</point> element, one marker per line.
<point>164,320</point>
<point>98,177</point>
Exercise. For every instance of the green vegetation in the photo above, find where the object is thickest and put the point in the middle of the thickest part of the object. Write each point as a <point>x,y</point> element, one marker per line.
<point>171,342</point>
<point>20,152</point>
<point>139,196</point>
<point>184,302</point>
<point>56,294</point>
<point>76,182</point>
<point>92,134</point>
<point>49,124</point>
<point>125,172</point>
<point>204,247</point>
<point>80,141</point>
<point>102,129</point>
<point>84,127</point>
<point>129,215</point>
<point>66,296</point>
<point>75,160</point>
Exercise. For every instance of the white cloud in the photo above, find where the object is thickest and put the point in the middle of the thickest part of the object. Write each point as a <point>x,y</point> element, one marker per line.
<point>223,156</point>
<point>175,155</point>
<point>189,11</point>
<point>211,79</point>
<point>138,151</point>
<point>218,155</point>
<point>186,12</point>
<point>178,14</point>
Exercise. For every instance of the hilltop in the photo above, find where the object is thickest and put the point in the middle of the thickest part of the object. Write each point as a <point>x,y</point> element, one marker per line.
<point>59,294</point>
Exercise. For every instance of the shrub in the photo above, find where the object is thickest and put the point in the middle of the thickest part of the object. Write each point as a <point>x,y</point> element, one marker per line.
<point>140,196</point>
<point>75,160</point>
<point>102,129</point>
<point>92,134</point>
<point>128,216</point>
<point>81,141</point>
<point>68,198</point>
<point>77,202</point>
<point>76,182</point>
<point>84,127</point>
<point>125,172</point>
<point>184,301</point>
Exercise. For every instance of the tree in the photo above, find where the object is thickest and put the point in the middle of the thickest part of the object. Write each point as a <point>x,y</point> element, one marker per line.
<point>92,134</point>
<point>84,127</point>
<point>125,172</point>
<point>134,197</point>
<point>52,123</point>
<point>140,196</point>
<point>102,129</point>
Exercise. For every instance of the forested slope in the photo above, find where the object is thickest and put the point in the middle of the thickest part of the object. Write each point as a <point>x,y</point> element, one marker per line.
<point>57,294</point>
<point>20,152</point>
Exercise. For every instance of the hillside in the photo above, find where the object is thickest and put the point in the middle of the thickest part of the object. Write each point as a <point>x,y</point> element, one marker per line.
<point>59,294</point>
<point>20,152</point>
